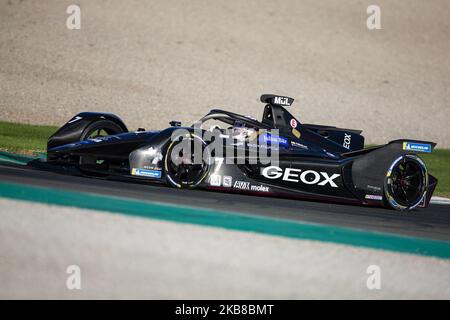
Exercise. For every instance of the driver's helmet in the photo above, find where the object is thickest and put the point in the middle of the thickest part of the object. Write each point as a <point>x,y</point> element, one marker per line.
<point>240,131</point>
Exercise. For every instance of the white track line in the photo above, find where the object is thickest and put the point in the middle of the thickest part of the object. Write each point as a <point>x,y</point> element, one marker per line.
<point>440,200</point>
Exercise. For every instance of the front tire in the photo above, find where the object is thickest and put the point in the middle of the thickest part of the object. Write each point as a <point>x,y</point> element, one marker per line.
<point>182,169</point>
<point>101,128</point>
<point>406,183</point>
<point>98,129</point>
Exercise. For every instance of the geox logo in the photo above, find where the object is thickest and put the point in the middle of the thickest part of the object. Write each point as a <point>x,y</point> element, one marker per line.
<point>281,101</point>
<point>347,140</point>
<point>298,175</point>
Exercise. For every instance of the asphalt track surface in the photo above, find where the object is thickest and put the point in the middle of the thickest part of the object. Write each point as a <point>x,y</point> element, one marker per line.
<point>431,223</point>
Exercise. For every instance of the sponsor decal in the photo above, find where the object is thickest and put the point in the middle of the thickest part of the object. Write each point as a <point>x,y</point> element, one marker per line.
<point>282,101</point>
<point>243,185</point>
<point>153,168</point>
<point>374,188</point>
<point>373,197</point>
<point>347,140</point>
<point>299,145</point>
<point>261,146</point>
<point>215,180</point>
<point>227,181</point>
<point>299,175</point>
<point>330,154</point>
<point>75,119</point>
<point>296,133</point>
<point>293,123</point>
<point>259,188</point>
<point>146,173</point>
<point>105,138</point>
<point>267,137</point>
<point>415,146</point>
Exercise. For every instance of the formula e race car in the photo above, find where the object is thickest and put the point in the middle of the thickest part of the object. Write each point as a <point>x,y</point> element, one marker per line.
<point>277,156</point>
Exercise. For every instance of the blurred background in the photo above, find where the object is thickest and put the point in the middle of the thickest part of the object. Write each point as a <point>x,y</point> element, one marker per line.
<point>154,61</point>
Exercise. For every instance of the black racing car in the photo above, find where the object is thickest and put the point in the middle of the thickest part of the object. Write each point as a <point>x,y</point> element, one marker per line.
<point>300,160</point>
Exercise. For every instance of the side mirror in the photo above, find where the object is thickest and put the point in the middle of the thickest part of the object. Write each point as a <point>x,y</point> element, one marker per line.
<point>175,123</point>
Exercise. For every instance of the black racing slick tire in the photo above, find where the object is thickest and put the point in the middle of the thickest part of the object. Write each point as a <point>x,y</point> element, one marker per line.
<point>406,183</point>
<point>182,167</point>
<point>100,129</point>
<point>90,165</point>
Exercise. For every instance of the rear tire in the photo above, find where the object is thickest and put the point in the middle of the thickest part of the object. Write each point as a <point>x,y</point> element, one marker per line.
<point>406,183</point>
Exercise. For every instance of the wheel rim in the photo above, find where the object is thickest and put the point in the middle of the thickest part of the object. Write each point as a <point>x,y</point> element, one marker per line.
<point>181,167</point>
<point>407,182</point>
<point>99,132</point>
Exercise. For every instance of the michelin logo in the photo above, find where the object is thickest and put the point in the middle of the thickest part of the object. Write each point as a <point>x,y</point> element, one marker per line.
<point>146,173</point>
<point>414,146</point>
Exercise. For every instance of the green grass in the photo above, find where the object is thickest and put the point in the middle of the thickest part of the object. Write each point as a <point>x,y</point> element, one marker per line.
<point>438,163</point>
<point>26,138</point>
